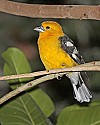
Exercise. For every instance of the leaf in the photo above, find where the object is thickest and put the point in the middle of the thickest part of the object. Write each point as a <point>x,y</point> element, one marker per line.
<point>22,111</point>
<point>43,101</point>
<point>80,115</point>
<point>15,63</point>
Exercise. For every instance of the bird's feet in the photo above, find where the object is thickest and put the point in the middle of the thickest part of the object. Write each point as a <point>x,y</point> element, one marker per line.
<point>58,76</point>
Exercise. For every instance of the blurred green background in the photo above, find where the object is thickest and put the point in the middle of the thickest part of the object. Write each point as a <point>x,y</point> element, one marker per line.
<point>16,31</point>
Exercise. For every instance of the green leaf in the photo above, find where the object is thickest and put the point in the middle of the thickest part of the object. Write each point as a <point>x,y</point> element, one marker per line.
<point>15,63</point>
<point>43,101</point>
<point>80,115</point>
<point>22,111</point>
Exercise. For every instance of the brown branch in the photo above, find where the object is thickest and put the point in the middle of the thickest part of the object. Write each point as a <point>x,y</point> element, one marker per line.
<point>92,66</point>
<point>51,11</point>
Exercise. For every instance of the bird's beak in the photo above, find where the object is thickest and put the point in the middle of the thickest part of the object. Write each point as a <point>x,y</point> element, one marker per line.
<point>39,29</point>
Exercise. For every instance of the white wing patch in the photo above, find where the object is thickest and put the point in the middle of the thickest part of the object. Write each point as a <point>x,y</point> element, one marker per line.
<point>74,56</point>
<point>69,44</point>
<point>75,51</point>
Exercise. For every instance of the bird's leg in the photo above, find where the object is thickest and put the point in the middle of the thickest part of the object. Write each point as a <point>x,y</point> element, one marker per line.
<point>58,76</point>
<point>68,75</point>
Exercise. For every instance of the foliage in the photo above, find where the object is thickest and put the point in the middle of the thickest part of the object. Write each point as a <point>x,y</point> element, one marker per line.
<point>33,106</point>
<point>15,63</point>
<point>80,115</point>
<point>24,111</point>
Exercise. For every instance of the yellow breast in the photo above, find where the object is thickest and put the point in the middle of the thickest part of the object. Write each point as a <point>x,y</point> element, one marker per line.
<point>52,55</point>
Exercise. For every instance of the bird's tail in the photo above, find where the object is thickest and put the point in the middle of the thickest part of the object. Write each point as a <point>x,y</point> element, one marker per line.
<point>81,92</point>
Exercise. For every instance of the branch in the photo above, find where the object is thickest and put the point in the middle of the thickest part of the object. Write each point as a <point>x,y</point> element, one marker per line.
<point>25,87</point>
<point>51,11</point>
<point>91,66</point>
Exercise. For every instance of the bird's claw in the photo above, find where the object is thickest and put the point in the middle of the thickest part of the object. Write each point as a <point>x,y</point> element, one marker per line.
<point>58,76</point>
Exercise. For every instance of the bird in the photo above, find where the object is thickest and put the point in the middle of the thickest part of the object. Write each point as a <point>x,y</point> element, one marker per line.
<point>57,50</point>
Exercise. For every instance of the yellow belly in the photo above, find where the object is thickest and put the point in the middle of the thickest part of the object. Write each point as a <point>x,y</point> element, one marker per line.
<point>53,56</point>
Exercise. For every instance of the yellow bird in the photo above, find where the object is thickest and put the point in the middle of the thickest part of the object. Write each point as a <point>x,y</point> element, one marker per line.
<point>57,50</point>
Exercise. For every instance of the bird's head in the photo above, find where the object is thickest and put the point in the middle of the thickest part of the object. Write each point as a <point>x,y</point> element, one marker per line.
<point>49,28</point>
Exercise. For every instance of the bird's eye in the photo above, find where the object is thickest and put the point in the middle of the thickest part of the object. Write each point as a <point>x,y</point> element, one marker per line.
<point>47,27</point>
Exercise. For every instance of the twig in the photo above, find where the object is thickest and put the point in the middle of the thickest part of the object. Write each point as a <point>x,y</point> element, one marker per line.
<point>92,66</point>
<point>26,86</point>
<point>51,11</point>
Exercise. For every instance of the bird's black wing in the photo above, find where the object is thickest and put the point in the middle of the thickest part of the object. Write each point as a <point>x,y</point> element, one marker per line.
<point>68,46</point>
